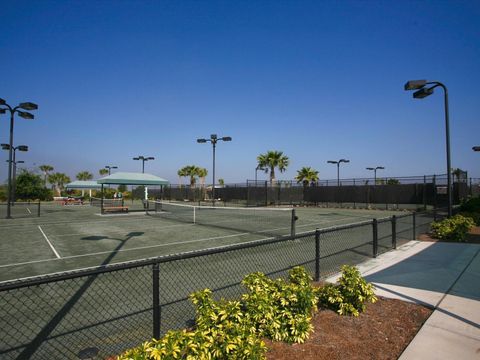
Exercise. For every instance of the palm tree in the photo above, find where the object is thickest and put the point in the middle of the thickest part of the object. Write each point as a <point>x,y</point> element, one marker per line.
<point>181,173</point>
<point>85,175</point>
<point>271,160</point>
<point>46,170</point>
<point>103,172</point>
<point>190,171</point>
<point>202,174</point>
<point>458,173</point>
<point>306,175</point>
<point>58,180</point>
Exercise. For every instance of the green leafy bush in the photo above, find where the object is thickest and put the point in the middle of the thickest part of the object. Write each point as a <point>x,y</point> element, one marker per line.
<point>350,295</point>
<point>281,310</point>
<point>454,228</point>
<point>471,205</point>
<point>224,329</point>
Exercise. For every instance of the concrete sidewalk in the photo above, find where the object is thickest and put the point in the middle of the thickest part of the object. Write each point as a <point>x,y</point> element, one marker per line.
<point>445,276</point>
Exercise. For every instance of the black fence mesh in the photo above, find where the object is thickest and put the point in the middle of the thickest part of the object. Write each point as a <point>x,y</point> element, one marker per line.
<point>107,310</point>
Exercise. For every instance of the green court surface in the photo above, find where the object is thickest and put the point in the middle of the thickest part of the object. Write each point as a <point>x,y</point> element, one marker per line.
<point>75,237</point>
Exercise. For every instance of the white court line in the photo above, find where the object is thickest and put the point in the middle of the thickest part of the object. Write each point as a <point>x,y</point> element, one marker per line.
<point>49,243</point>
<point>28,209</point>
<point>123,250</point>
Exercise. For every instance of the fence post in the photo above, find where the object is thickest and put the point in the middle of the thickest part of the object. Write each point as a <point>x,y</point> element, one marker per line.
<point>424,192</point>
<point>156,300</point>
<point>317,255</point>
<point>414,226</point>
<point>375,237</point>
<point>394,231</point>
<point>38,209</point>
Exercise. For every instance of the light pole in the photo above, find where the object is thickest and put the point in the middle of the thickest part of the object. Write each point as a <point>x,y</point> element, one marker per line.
<point>375,172</point>
<point>143,158</point>
<point>420,93</point>
<point>214,139</point>
<point>338,167</point>
<point>110,167</point>
<point>22,114</point>
<point>15,162</point>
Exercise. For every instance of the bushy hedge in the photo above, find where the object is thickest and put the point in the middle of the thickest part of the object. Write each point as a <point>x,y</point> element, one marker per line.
<point>454,228</point>
<point>350,295</point>
<point>471,209</point>
<point>275,309</point>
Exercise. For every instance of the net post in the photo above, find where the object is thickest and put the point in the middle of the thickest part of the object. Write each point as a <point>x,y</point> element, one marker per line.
<point>292,223</point>
<point>414,223</point>
<point>194,214</point>
<point>317,255</point>
<point>38,208</point>
<point>375,237</point>
<point>156,300</point>
<point>394,232</point>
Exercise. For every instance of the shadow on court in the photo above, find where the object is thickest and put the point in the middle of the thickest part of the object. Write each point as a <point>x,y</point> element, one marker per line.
<point>49,328</point>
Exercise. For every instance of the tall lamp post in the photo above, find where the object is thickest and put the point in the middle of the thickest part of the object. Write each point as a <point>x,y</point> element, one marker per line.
<point>4,107</point>
<point>338,167</point>
<point>143,158</point>
<point>420,93</point>
<point>214,139</point>
<point>110,167</point>
<point>15,162</point>
<point>375,172</point>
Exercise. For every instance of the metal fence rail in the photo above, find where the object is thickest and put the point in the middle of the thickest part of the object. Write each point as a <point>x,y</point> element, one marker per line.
<point>109,309</point>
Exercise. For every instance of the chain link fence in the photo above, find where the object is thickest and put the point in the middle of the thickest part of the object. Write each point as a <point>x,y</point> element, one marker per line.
<point>100,312</point>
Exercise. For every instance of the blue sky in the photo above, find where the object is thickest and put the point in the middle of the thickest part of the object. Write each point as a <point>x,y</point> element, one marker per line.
<point>318,80</point>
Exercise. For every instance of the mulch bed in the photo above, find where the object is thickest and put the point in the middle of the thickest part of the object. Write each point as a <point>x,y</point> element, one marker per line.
<point>383,331</point>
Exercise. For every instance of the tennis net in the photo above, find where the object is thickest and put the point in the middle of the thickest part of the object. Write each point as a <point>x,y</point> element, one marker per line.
<point>106,202</point>
<point>274,222</point>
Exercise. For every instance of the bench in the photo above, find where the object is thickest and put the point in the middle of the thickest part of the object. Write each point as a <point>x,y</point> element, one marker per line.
<point>115,209</point>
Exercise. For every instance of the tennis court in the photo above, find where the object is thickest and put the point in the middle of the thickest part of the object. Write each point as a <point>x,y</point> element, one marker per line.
<point>74,237</point>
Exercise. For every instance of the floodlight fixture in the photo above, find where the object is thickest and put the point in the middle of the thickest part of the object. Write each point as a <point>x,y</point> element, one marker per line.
<point>110,167</point>
<point>214,139</point>
<point>421,93</point>
<point>5,146</point>
<point>22,147</point>
<point>143,158</point>
<point>25,115</point>
<point>476,148</point>
<point>28,106</point>
<point>338,167</point>
<point>415,84</point>
<point>374,169</point>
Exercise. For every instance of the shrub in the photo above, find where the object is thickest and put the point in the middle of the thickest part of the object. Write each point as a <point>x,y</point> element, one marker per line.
<point>475,216</point>
<point>471,205</point>
<point>281,310</point>
<point>454,228</point>
<point>350,295</point>
<point>224,329</point>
